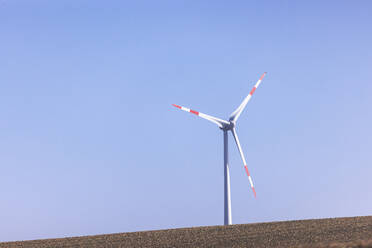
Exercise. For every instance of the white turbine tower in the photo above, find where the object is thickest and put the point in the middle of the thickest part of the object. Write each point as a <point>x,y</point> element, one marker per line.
<point>226,126</point>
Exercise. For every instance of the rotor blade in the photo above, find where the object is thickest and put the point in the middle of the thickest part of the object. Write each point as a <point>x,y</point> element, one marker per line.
<point>213,119</point>
<point>243,158</point>
<point>235,115</point>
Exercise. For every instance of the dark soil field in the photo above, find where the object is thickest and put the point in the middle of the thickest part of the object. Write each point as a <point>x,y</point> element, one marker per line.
<point>335,232</point>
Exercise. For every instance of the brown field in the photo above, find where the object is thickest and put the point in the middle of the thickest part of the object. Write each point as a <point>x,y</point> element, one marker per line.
<point>335,232</point>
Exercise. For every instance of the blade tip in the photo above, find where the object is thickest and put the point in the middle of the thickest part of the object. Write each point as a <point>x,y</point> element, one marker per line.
<point>263,75</point>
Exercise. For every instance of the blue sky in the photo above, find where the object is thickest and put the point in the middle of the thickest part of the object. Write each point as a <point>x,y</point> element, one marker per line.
<point>90,143</point>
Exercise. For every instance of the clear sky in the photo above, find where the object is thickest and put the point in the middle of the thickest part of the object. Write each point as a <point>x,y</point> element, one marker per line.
<point>90,143</point>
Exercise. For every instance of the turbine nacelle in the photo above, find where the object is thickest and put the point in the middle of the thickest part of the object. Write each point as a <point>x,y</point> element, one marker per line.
<point>229,126</point>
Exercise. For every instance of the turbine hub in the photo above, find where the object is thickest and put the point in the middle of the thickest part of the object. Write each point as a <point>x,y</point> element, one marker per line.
<point>229,126</point>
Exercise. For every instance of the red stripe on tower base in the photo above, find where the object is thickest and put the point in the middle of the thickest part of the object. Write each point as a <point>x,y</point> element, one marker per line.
<point>194,112</point>
<point>252,91</point>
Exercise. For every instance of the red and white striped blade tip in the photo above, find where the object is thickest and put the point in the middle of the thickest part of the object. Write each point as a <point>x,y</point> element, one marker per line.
<point>250,180</point>
<point>262,76</point>
<point>175,105</point>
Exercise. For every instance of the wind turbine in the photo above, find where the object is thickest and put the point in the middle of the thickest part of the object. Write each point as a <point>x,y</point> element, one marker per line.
<point>226,126</point>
